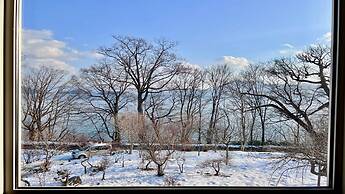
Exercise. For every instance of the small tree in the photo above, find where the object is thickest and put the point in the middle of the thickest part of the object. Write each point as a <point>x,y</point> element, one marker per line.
<point>66,180</point>
<point>216,164</point>
<point>160,146</point>
<point>30,156</point>
<point>85,163</point>
<point>160,156</point>
<point>161,134</point>
<point>180,163</point>
<point>227,133</point>
<point>145,162</point>
<point>103,165</point>
<point>170,181</point>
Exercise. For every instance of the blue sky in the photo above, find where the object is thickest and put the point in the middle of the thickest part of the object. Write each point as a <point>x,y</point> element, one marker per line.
<point>206,30</point>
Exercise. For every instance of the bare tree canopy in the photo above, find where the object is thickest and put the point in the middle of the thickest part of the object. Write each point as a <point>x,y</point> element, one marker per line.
<point>149,66</point>
<point>48,103</point>
<point>218,77</point>
<point>299,87</point>
<point>104,93</point>
<point>187,88</point>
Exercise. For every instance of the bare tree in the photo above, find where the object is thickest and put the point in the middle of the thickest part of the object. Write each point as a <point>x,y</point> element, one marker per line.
<point>48,103</point>
<point>66,180</point>
<point>216,165</point>
<point>30,155</point>
<point>159,109</point>
<point>103,165</point>
<point>238,103</point>
<point>298,88</point>
<point>105,96</point>
<point>180,160</point>
<point>218,77</point>
<point>227,132</point>
<point>254,82</point>
<point>149,66</point>
<point>201,106</point>
<point>161,135</point>
<point>187,88</point>
<point>161,145</point>
<point>255,78</point>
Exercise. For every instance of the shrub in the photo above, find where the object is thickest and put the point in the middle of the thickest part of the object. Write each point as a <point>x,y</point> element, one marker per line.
<point>170,181</point>
<point>216,164</point>
<point>30,156</point>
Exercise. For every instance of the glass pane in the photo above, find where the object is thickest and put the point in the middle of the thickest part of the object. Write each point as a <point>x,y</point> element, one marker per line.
<point>188,92</point>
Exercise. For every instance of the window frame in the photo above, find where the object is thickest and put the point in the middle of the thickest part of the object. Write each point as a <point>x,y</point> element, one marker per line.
<point>11,18</point>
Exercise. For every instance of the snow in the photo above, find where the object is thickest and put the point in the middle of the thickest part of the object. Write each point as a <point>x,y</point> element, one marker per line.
<point>244,169</point>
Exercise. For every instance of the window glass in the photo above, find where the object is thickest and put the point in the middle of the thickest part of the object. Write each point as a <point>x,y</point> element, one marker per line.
<point>192,93</point>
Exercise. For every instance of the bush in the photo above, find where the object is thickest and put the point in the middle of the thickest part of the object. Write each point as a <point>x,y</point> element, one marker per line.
<point>66,180</point>
<point>171,181</point>
<point>30,156</point>
<point>216,165</point>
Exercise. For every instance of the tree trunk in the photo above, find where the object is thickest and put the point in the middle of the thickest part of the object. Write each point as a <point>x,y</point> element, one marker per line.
<point>140,109</point>
<point>296,142</point>
<point>200,117</point>
<point>32,135</point>
<point>262,133</point>
<point>209,133</point>
<point>319,177</point>
<point>140,101</point>
<point>199,140</point>
<point>117,135</point>
<point>147,165</point>
<point>103,176</point>
<point>131,148</point>
<point>227,155</point>
<point>160,170</point>
<point>243,126</point>
<point>262,116</point>
<point>262,122</point>
<point>252,127</point>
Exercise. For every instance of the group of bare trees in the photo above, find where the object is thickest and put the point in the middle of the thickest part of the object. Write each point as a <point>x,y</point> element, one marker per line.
<point>141,92</point>
<point>48,104</point>
<point>298,88</point>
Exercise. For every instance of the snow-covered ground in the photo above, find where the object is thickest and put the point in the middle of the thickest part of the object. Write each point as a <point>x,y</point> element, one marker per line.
<point>244,169</point>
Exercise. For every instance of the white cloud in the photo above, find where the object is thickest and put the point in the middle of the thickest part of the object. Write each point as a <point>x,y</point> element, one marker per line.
<point>39,49</point>
<point>191,66</point>
<point>236,62</point>
<point>327,37</point>
<point>288,50</point>
<point>94,54</point>
<point>288,45</point>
